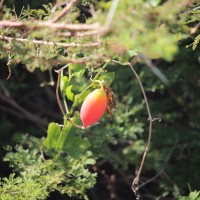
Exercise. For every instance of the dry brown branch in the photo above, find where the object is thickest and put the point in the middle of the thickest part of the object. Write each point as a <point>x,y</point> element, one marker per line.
<point>40,24</point>
<point>41,42</point>
<point>64,11</point>
<point>6,97</point>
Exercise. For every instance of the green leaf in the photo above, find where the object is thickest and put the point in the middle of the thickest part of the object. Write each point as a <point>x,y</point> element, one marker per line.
<point>63,83</point>
<point>53,133</point>
<point>108,77</point>
<point>80,54</point>
<point>77,70</point>
<point>70,95</point>
<point>75,146</point>
<point>63,137</point>
<point>195,195</point>
<point>132,53</point>
<point>56,137</point>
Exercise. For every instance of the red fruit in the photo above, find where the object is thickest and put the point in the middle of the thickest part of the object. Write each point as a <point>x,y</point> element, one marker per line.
<point>93,107</point>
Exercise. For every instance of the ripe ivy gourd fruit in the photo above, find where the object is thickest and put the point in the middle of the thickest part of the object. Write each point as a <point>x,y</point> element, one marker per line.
<point>93,107</point>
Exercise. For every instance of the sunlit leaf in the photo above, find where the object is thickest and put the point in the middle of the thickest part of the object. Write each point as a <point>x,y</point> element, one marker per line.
<point>56,136</point>
<point>63,83</point>
<point>70,95</point>
<point>53,133</point>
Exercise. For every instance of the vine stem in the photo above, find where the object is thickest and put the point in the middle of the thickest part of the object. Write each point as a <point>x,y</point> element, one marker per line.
<point>57,94</point>
<point>135,183</point>
<point>9,68</point>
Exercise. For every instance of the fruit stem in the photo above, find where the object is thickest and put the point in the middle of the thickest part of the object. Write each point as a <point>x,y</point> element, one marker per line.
<point>101,83</point>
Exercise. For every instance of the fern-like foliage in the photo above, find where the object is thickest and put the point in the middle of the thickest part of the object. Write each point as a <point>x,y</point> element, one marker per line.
<point>34,177</point>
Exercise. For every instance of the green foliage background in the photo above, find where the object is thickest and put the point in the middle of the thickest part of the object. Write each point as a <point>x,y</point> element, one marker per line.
<point>157,29</point>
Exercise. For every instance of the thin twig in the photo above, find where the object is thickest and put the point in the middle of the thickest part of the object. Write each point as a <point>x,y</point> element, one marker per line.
<point>151,179</point>
<point>42,153</point>
<point>59,70</point>
<point>163,167</point>
<point>57,94</point>
<point>9,68</point>
<point>136,180</point>
<point>170,180</point>
<point>76,125</point>
<point>64,11</point>
<point>135,184</point>
<point>40,24</point>
<point>194,29</point>
<point>191,10</point>
<point>156,119</point>
<point>42,42</point>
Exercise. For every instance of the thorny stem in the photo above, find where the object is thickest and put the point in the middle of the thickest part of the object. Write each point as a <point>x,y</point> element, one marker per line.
<point>41,24</point>
<point>42,42</point>
<point>135,183</point>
